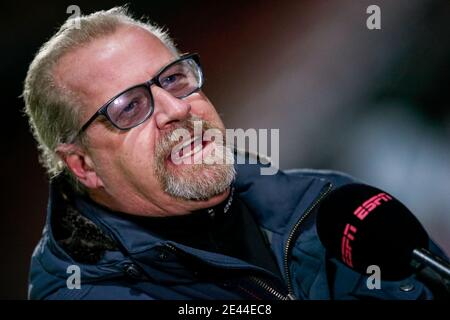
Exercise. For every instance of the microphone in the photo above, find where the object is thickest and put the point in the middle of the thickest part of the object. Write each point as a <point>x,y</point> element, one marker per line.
<point>361,226</point>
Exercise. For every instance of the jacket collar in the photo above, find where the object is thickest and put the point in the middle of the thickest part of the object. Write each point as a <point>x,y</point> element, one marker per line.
<point>277,201</point>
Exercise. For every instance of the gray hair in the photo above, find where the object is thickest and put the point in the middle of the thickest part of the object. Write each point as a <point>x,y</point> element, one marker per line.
<point>52,109</point>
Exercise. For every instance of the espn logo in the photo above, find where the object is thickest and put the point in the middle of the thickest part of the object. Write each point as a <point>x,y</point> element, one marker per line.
<point>346,248</point>
<point>363,210</point>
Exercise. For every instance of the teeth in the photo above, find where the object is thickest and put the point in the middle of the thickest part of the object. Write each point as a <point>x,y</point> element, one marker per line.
<point>196,149</point>
<point>188,143</point>
<point>193,139</point>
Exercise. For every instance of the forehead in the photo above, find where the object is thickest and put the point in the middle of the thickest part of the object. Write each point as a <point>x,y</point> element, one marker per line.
<point>108,65</point>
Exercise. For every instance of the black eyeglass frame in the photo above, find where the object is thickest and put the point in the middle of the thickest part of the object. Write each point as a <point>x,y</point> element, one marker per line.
<point>103,110</point>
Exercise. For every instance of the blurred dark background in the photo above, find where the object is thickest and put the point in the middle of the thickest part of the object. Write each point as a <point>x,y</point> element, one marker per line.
<point>373,103</point>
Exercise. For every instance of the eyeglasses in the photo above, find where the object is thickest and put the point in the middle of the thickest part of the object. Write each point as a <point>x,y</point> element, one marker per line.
<point>134,105</point>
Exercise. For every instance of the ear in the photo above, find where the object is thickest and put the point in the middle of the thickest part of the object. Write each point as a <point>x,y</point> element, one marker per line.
<point>80,164</point>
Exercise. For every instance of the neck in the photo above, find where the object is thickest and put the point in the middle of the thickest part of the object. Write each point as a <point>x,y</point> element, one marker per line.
<point>166,206</point>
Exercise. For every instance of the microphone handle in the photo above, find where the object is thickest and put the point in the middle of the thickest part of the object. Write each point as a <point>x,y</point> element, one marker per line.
<point>425,257</point>
<point>434,271</point>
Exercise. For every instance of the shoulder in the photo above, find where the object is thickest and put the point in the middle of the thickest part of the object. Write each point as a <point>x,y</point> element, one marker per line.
<point>249,171</point>
<point>337,178</point>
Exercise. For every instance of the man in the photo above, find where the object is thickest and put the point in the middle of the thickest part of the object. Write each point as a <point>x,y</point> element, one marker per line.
<point>105,99</point>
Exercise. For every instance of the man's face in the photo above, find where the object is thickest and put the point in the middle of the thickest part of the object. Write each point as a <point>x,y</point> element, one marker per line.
<point>132,170</point>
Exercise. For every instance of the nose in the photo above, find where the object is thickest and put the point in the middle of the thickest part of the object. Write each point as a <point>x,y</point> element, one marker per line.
<point>169,109</point>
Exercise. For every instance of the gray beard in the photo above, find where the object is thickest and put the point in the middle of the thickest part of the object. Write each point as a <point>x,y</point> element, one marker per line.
<point>199,181</point>
<point>194,181</point>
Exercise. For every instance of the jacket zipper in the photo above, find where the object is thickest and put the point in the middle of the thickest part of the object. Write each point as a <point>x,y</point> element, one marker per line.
<point>278,295</point>
<point>259,282</point>
<point>293,233</point>
<point>264,285</point>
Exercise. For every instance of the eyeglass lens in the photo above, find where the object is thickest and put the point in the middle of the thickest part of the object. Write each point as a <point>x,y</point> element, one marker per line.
<point>134,106</point>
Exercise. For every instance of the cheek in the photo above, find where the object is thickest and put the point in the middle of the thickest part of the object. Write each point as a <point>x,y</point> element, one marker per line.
<point>126,154</point>
<point>138,147</point>
<point>103,145</point>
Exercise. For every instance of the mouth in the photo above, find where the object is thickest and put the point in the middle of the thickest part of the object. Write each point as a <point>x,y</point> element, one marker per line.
<point>194,149</point>
<point>190,147</point>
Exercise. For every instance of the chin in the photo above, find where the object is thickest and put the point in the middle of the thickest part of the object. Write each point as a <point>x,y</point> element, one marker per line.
<point>198,182</point>
<point>197,171</point>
